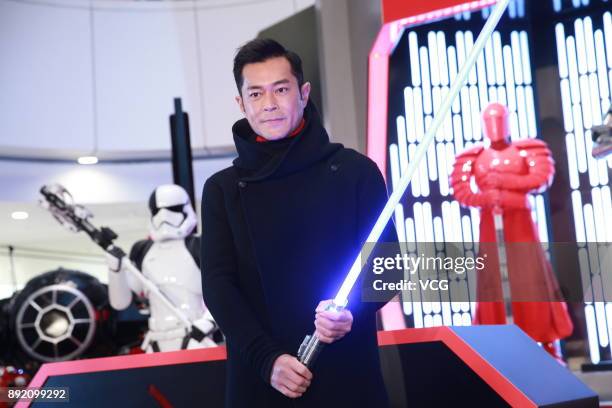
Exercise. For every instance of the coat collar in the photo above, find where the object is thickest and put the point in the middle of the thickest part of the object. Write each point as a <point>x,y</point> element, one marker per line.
<point>259,161</point>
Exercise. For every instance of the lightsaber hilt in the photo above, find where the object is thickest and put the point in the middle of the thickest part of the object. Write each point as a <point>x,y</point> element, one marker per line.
<point>312,346</point>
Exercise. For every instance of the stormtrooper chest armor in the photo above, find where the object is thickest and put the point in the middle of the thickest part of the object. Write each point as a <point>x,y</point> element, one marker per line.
<point>171,266</point>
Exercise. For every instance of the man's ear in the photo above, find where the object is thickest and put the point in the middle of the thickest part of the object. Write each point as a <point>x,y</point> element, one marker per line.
<point>305,91</point>
<point>240,103</point>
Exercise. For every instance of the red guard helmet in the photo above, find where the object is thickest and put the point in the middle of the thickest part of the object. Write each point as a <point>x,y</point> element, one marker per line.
<point>495,122</point>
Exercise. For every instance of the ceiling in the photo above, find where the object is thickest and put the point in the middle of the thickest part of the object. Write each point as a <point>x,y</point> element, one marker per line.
<point>42,232</point>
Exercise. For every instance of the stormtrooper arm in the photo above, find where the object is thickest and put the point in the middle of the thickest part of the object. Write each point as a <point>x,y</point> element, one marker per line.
<point>461,178</point>
<point>541,167</point>
<point>121,283</point>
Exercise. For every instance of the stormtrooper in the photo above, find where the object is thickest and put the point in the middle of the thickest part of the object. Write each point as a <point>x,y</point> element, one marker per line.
<point>170,259</point>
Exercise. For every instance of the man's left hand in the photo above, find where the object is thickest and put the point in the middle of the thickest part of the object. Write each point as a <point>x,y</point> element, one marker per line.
<point>332,325</point>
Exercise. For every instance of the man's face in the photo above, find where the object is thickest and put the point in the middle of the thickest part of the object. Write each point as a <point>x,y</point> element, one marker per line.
<point>271,99</point>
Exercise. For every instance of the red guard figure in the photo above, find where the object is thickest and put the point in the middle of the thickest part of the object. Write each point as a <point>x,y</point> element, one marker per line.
<point>505,173</point>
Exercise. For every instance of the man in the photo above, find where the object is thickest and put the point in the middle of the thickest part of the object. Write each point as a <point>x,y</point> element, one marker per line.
<point>282,227</point>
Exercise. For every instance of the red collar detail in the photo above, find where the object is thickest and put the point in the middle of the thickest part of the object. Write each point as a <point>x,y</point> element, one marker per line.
<point>261,139</point>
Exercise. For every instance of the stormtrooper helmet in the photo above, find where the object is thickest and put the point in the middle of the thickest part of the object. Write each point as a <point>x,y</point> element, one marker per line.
<point>172,216</point>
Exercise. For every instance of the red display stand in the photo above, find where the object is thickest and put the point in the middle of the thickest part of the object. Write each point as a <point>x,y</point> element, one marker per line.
<point>463,366</point>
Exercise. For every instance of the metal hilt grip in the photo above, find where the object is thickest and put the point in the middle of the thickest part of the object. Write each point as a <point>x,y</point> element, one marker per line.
<point>311,345</point>
<point>309,350</point>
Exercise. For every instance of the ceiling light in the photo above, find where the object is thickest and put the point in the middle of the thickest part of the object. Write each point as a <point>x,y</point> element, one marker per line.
<point>87,160</point>
<point>20,215</point>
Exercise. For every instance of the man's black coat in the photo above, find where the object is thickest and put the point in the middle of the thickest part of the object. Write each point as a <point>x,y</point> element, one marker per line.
<point>281,228</point>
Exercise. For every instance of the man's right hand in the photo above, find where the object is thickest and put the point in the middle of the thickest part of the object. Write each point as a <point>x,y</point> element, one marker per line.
<point>289,376</point>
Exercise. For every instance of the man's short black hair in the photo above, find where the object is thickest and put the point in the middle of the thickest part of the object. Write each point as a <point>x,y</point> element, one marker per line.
<point>263,49</point>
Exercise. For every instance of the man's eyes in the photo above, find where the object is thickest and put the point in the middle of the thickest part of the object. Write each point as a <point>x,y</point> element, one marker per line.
<point>279,91</point>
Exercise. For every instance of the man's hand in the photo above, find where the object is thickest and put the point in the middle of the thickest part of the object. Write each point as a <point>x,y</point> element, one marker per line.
<point>289,376</point>
<point>332,325</point>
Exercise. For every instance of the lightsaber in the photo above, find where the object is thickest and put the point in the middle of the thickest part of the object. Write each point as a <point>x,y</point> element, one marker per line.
<point>311,346</point>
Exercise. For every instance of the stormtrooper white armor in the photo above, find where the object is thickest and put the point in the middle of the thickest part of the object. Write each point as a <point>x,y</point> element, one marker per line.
<point>171,260</point>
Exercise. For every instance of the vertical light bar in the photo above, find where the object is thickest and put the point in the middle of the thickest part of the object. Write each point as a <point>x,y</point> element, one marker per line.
<point>431,162</point>
<point>433,58</point>
<point>501,95</point>
<point>415,63</point>
<point>585,96</point>
<point>490,59</point>
<point>466,113</point>
<point>443,176</point>
<point>474,104</point>
<point>482,81</point>
<point>456,223</point>
<point>578,218</point>
<point>573,70</point>
<point>409,114</point>
<point>450,158</point>
<point>514,127</point>
<point>428,223</point>
<point>589,314</point>
<point>442,61</point>
<point>596,108</point>
<point>475,217</point>
<point>522,113</point>
<point>525,57</point>
<point>515,43</point>
<point>460,43</point>
<point>580,46</point>
<point>415,184</point>
<point>601,66</point>
<point>598,213</point>
<point>608,36</point>
<point>509,76</point>
<point>458,133</point>
<point>579,138</point>
<point>437,97</point>
<point>608,312</point>
<point>448,119</point>
<point>521,8</point>
<point>570,147</point>
<point>452,67</point>
<point>427,108</point>
<point>589,223</point>
<point>499,60</point>
<point>542,228</point>
<point>606,198</point>
<point>419,125</point>
<point>562,54</point>
<point>589,42</point>
<point>531,116</point>
<point>566,101</point>
<point>394,164</point>
<point>447,220</point>
<point>469,44</point>
<point>401,144</point>
<point>600,317</point>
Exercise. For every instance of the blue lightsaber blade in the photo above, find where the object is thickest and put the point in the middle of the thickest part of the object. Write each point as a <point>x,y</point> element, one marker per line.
<point>311,346</point>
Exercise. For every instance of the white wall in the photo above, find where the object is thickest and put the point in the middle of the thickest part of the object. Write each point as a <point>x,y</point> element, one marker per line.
<point>79,76</point>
